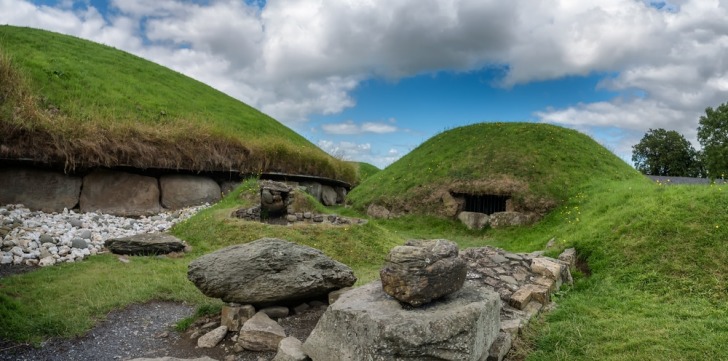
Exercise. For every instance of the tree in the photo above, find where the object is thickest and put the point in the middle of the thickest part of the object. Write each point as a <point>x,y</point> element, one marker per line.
<point>713,136</point>
<point>666,153</point>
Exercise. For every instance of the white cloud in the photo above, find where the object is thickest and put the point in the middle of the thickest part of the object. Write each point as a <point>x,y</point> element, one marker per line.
<point>293,58</point>
<point>349,127</point>
<point>359,152</point>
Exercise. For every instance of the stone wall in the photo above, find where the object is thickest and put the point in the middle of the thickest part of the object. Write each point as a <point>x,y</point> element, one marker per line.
<point>125,193</point>
<point>106,191</point>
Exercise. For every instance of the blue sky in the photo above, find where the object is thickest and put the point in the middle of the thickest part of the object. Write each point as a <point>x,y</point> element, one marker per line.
<point>369,81</point>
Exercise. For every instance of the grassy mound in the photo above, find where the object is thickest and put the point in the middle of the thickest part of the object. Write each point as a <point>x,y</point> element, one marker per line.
<point>70,101</point>
<point>366,170</point>
<point>537,165</point>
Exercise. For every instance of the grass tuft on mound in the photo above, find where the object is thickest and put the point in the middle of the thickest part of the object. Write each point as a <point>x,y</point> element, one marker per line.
<point>70,101</point>
<point>538,165</point>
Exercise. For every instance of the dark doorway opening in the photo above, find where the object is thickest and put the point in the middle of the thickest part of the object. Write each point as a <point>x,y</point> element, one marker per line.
<point>487,203</point>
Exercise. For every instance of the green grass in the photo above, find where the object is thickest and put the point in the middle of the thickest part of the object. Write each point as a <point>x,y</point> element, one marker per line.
<point>83,103</point>
<point>659,282</point>
<point>657,291</point>
<point>366,170</point>
<point>539,165</point>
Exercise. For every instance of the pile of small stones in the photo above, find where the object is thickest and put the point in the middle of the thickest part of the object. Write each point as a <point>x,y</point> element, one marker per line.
<point>36,238</point>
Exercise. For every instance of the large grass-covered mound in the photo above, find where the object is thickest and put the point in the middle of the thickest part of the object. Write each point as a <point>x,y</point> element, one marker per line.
<point>69,101</point>
<point>537,165</point>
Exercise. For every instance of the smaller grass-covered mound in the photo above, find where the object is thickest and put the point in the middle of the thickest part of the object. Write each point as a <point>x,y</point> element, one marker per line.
<point>366,170</point>
<point>72,102</point>
<point>536,166</point>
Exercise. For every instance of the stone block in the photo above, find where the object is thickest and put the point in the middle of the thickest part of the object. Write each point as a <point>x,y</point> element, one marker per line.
<point>179,190</point>
<point>366,324</point>
<point>37,189</point>
<point>260,333</point>
<point>120,193</point>
<point>546,267</point>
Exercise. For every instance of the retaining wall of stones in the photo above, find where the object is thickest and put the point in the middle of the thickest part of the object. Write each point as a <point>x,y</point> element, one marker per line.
<point>123,193</point>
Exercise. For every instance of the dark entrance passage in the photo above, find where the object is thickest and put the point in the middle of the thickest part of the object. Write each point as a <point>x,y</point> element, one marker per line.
<point>487,203</point>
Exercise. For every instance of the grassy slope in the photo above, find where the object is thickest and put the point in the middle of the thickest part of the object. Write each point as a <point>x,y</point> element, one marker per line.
<point>552,161</point>
<point>366,170</point>
<point>659,282</point>
<point>80,91</point>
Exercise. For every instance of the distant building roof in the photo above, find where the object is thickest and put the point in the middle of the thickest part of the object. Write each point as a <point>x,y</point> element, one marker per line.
<point>684,180</point>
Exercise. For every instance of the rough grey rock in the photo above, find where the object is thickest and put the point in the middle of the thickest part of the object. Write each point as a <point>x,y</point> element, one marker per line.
<point>340,195</point>
<point>179,191</point>
<point>204,358</point>
<point>235,316</point>
<point>377,211</point>
<point>500,347</point>
<point>314,189</point>
<point>38,189</point>
<point>260,333</point>
<point>334,295</point>
<point>366,324</point>
<point>212,338</point>
<point>568,256</point>
<point>145,244</point>
<point>422,271</point>
<point>120,193</point>
<point>79,243</point>
<point>276,311</point>
<point>268,271</point>
<point>290,349</point>
<point>474,220</point>
<point>328,196</point>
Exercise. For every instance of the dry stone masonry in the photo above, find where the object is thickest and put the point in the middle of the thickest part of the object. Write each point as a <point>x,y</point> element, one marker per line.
<point>412,314</point>
<point>277,205</point>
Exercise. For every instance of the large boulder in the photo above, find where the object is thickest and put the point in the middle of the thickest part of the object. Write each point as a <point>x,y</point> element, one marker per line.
<point>268,271</point>
<point>120,193</point>
<point>38,189</point>
<point>179,191</point>
<point>366,324</point>
<point>421,271</point>
<point>314,189</point>
<point>145,244</point>
<point>328,196</point>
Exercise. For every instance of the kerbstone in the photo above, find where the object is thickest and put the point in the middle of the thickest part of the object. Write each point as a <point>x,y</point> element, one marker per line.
<point>39,189</point>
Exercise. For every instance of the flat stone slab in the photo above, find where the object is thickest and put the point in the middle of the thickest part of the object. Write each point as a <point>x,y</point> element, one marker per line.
<point>367,324</point>
<point>145,244</point>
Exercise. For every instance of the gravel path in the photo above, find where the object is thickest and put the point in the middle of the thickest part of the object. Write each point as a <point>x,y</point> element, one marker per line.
<point>136,331</point>
<point>146,330</point>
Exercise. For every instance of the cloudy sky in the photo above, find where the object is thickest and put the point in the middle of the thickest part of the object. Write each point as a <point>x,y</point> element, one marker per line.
<point>369,80</point>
